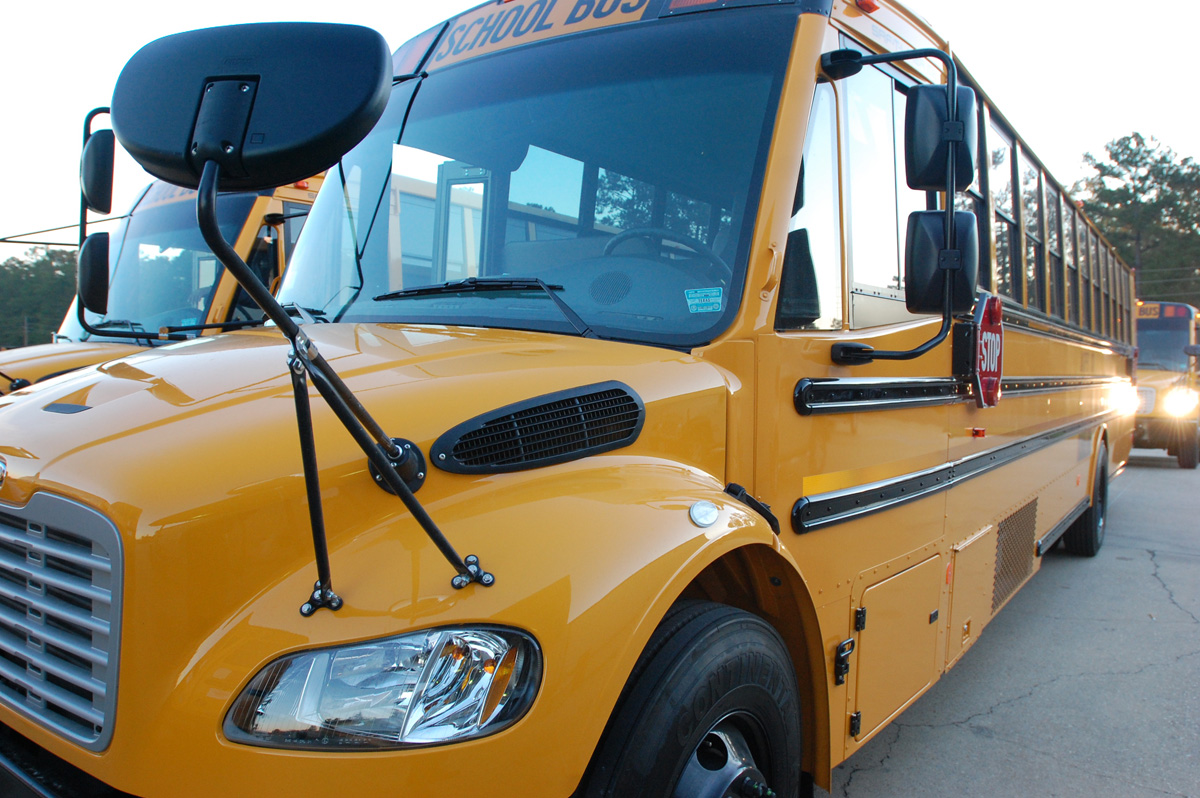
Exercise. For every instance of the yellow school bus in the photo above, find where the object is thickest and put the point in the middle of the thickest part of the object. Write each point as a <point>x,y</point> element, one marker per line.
<point>632,279</point>
<point>1167,416</point>
<point>165,284</point>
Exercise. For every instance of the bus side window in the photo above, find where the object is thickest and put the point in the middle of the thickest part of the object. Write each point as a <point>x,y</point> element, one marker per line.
<point>880,199</point>
<point>810,294</point>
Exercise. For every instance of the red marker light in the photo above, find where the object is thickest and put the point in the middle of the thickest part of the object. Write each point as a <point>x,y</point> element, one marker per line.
<point>867,6</point>
<point>302,184</point>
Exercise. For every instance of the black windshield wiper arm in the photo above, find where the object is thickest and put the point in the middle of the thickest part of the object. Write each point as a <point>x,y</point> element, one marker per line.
<point>307,315</point>
<point>496,284</point>
<point>100,325</point>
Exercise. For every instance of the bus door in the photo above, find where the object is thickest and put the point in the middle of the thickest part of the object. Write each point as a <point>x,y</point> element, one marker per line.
<point>853,454</point>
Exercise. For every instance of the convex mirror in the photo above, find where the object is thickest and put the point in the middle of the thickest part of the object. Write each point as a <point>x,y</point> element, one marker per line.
<point>91,279</point>
<point>96,171</point>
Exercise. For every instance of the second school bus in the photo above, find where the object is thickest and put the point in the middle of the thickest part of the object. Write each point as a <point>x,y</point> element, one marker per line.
<point>164,277</point>
<point>1168,416</point>
<point>621,277</point>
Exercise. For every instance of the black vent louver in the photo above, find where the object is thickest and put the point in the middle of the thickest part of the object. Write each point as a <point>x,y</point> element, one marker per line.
<point>548,429</point>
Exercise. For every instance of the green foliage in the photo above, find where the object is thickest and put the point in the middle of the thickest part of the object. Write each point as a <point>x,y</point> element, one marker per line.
<point>1146,200</point>
<point>37,286</point>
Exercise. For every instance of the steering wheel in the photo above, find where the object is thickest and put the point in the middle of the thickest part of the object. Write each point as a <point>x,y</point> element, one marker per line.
<point>669,235</point>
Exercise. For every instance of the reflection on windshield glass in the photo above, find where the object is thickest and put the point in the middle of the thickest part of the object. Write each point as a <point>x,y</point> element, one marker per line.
<point>162,273</point>
<point>625,172</point>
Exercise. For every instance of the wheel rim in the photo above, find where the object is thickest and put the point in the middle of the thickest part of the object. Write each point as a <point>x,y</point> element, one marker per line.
<point>1101,500</point>
<point>723,764</point>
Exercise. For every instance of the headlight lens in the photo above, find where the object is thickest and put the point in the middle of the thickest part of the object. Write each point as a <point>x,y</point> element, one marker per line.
<point>416,689</point>
<point>1125,399</point>
<point>1181,401</point>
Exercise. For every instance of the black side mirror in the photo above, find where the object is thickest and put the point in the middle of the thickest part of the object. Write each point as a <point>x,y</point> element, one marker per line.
<point>96,171</point>
<point>1192,350</point>
<point>241,97</point>
<point>925,145</point>
<point>91,280</point>
<point>924,269</point>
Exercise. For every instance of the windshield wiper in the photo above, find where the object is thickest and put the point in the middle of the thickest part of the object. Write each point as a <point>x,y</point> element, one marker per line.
<point>496,284</point>
<point>134,326</point>
<point>307,315</point>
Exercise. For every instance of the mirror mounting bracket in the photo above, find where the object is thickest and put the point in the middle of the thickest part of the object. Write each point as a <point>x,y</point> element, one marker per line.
<point>306,363</point>
<point>840,64</point>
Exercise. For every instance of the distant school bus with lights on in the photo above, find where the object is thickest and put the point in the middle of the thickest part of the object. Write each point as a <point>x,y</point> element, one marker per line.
<point>671,434</point>
<point>1168,415</point>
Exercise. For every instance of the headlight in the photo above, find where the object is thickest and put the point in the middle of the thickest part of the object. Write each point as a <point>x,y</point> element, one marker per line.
<point>1181,401</point>
<point>415,689</point>
<point>1124,398</point>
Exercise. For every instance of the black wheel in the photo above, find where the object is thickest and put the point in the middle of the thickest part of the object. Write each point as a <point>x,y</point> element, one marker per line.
<point>1086,535</point>
<point>711,710</point>
<point>1187,453</point>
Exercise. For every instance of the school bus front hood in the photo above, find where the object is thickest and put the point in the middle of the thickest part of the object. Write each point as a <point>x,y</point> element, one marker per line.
<point>42,361</point>
<point>192,452</point>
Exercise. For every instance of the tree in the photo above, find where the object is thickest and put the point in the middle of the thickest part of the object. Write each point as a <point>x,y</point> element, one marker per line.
<point>35,291</point>
<point>1146,201</point>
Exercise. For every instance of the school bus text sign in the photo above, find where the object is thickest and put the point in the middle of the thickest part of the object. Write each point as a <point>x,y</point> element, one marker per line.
<point>499,25</point>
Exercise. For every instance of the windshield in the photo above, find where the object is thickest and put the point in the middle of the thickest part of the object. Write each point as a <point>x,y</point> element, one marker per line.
<point>620,168</point>
<point>1161,342</point>
<point>162,273</point>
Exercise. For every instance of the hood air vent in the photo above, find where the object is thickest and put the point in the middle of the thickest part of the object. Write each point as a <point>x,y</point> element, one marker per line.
<point>543,431</point>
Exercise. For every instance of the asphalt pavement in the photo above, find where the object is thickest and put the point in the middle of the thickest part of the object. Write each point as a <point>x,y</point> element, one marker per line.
<point>1086,684</point>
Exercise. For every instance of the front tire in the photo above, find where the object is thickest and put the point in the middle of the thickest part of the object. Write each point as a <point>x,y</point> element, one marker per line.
<point>710,710</point>
<point>1187,453</point>
<point>1086,535</point>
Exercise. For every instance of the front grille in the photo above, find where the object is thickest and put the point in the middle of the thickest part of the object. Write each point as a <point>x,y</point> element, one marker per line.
<point>60,579</point>
<point>549,429</point>
<point>1015,550</point>
<point>1146,398</point>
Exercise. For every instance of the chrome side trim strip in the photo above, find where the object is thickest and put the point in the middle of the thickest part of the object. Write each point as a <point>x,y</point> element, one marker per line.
<point>811,513</point>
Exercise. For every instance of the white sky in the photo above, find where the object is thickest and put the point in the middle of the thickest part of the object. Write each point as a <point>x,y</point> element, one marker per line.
<point>1070,75</point>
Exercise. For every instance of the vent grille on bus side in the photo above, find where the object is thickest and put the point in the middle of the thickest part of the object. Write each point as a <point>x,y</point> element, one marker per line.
<point>548,429</point>
<point>1015,551</point>
<point>60,577</point>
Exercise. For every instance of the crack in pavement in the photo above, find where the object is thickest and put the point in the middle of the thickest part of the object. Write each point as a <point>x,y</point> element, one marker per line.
<point>1038,686</point>
<point>887,754</point>
<point>1169,592</point>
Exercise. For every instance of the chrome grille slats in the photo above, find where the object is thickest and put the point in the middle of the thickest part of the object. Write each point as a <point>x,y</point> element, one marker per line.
<point>49,547</point>
<point>60,610</point>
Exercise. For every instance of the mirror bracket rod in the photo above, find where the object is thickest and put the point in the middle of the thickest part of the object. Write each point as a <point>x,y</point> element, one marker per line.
<point>380,449</point>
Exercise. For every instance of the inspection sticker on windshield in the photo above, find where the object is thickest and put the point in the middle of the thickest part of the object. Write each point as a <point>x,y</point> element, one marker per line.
<point>703,300</point>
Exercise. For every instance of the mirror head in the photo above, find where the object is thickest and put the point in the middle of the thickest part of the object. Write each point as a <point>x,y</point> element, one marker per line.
<point>271,103</point>
<point>923,272</point>
<point>925,116</point>
<point>91,278</point>
<point>96,171</point>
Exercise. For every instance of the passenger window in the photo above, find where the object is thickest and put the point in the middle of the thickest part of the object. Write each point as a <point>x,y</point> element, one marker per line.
<point>1000,169</point>
<point>810,294</point>
<point>880,200</point>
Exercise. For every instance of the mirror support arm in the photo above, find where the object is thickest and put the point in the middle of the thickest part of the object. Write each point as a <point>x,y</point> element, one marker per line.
<point>850,354</point>
<point>381,450</point>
